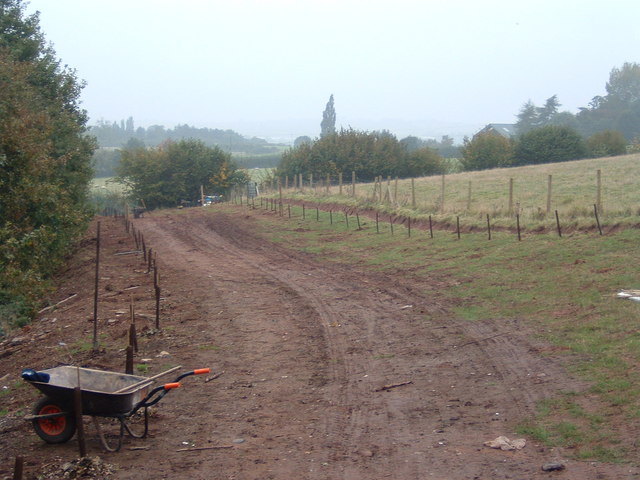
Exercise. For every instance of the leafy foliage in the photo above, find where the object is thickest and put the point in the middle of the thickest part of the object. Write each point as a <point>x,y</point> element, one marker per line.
<point>173,172</point>
<point>105,161</point>
<point>487,150</point>
<point>618,110</point>
<point>445,147</point>
<point>44,160</point>
<point>114,134</point>
<point>328,124</point>
<point>606,144</point>
<point>549,144</point>
<point>369,154</point>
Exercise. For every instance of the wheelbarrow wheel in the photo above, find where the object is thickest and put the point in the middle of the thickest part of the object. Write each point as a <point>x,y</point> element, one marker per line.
<point>56,429</point>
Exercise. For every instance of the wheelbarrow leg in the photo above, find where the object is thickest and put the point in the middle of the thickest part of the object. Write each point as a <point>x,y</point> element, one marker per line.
<point>103,440</point>
<point>127,427</point>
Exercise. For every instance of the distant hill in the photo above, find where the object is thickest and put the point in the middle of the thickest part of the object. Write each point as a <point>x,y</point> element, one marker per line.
<point>117,135</point>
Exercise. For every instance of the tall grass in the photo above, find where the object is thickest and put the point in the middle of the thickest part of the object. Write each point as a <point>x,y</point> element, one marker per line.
<point>473,195</point>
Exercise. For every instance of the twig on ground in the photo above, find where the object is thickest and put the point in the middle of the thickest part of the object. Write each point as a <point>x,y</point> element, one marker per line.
<point>213,377</point>
<point>59,303</point>
<point>212,447</point>
<point>394,385</point>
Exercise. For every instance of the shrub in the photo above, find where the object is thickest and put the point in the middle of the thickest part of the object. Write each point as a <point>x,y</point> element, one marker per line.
<point>549,144</point>
<point>487,150</point>
<point>608,143</point>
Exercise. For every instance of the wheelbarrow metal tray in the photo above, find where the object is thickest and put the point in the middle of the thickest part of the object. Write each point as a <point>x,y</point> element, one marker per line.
<point>98,389</point>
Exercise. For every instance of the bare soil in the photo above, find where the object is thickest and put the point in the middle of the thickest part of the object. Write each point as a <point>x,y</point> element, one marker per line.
<point>328,371</point>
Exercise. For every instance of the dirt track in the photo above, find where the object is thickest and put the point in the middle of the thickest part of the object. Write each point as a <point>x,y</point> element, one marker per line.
<point>307,350</point>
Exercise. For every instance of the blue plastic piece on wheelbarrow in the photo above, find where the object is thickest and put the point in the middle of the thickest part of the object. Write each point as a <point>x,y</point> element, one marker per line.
<point>32,376</point>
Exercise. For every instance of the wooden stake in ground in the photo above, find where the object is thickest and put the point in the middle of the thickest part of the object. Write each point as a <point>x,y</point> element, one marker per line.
<point>77,407</point>
<point>128,362</point>
<point>488,226</point>
<point>95,294</point>
<point>595,211</point>
<point>18,467</point>
<point>149,265</point>
<point>510,196</point>
<point>442,196</point>
<point>549,185</point>
<point>133,337</point>
<point>133,341</point>
<point>395,192</point>
<point>558,224</point>
<point>353,183</point>
<point>156,287</point>
<point>599,190</point>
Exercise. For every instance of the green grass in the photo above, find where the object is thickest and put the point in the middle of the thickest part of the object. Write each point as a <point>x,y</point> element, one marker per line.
<point>563,289</point>
<point>142,368</point>
<point>212,348</point>
<point>259,174</point>
<point>108,184</point>
<point>573,194</point>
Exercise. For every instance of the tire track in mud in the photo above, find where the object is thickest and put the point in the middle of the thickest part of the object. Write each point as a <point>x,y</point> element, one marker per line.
<point>354,333</point>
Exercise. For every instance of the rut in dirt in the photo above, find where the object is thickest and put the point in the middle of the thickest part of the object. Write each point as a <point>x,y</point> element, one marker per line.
<point>374,377</point>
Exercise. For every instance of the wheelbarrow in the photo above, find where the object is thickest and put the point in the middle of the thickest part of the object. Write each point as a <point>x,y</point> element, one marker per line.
<point>105,394</point>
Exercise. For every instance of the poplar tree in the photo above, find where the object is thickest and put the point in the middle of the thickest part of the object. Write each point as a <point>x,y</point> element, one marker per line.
<point>328,124</point>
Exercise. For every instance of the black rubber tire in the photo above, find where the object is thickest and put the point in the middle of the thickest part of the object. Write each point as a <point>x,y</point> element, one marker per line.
<point>54,430</point>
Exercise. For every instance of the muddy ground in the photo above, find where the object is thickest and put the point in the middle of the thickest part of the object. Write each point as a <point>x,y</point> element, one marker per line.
<point>327,371</point>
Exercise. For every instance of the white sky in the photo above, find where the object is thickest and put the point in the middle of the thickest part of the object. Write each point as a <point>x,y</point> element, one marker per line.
<point>267,67</point>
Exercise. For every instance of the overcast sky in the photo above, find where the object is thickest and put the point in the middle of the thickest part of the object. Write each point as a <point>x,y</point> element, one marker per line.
<point>267,67</point>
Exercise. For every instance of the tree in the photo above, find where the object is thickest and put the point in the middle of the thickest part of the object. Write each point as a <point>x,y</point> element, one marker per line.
<point>619,109</point>
<point>624,83</point>
<point>549,144</point>
<point>487,150</point>
<point>368,153</point>
<point>527,118</point>
<point>45,157</point>
<point>606,144</point>
<point>531,117</point>
<point>174,171</point>
<point>328,124</point>
<point>411,143</point>
<point>550,109</point>
<point>300,140</point>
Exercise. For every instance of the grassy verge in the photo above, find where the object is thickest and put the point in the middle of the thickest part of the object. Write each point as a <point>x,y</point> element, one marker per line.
<point>563,288</point>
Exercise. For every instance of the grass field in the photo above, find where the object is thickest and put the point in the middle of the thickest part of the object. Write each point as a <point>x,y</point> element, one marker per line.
<point>473,195</point>
<point>562,289</point>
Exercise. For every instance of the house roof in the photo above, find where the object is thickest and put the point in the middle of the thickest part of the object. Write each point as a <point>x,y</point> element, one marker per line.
<point>507,130</point>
